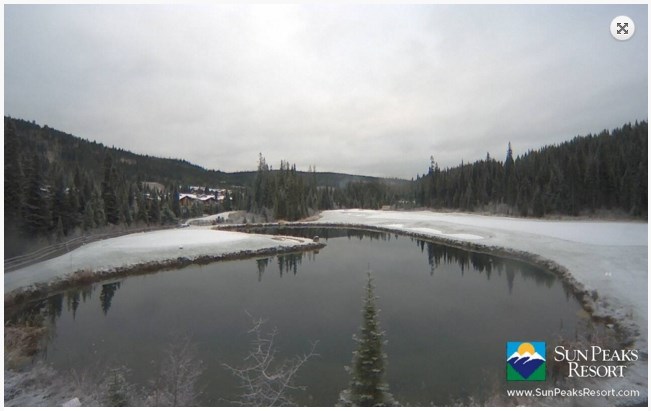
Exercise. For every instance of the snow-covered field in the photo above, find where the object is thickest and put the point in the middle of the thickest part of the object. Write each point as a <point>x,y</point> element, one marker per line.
<point>608,257</point>
<point>209,219</point>
<point>189,242</point>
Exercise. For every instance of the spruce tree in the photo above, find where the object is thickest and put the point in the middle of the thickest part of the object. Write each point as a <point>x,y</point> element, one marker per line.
<point>36,212</point>
<point>89,216</point>
<point>367,386</point>
<point>176,203</point>
<point>111,207</point>
<point>14,178</point>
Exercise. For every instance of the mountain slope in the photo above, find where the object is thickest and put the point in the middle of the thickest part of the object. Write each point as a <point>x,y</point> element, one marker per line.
<point>70,151</point>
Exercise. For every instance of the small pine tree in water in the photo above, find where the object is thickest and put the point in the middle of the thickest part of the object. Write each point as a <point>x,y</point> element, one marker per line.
<point>367,386</point>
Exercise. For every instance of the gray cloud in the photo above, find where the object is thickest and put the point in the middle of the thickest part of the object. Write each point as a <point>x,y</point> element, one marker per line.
<point>373,90</point>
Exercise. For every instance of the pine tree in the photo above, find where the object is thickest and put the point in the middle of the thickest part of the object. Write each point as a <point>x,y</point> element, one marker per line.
<point>36,212</point>
<point>228,205</point>
<point>89,217</point>
<point>111,207</point>
<point>509,178</point>
<point>59,205</point>
<point>98,208</point>
<point>368,387</point>
<point>154,208</point>
<point>142,214</point>
<point>538,205</point>
<point>14,181</point>
<point>59,232</point>
<point>167,216</point>
<point>13,175</point>
<point>176,203</point>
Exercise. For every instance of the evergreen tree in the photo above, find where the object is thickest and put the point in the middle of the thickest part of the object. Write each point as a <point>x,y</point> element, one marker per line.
<point>538,206</point>
<point>167,217</point>
<point>14,181</point>
<point>176,203</point>
<point>142,215</point>
<point>89,217</point>
<point>109,195</point>
<point>59,205</point>
<point>509,178</point>
<point>228,204</point>
<point>36,213</point>
<point>154,208</point>
<point>13,175</point>
<point>73,216</point>
<point>60,233</point>
<point>98,208</point>
<point>368,387</point>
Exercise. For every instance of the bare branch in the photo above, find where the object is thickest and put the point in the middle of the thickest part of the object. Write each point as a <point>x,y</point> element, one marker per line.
<point>264,381</point>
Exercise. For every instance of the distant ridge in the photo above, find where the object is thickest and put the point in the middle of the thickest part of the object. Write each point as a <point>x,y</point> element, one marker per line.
<point>70,151</point>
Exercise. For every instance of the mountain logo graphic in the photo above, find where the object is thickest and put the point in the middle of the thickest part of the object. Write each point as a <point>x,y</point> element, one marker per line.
<point>525,361</point>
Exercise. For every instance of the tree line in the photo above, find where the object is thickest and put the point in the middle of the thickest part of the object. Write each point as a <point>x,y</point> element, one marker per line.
<point>49,198</point>
<point>287,194</point>
<point>607,171</point>
<point>57,185</point>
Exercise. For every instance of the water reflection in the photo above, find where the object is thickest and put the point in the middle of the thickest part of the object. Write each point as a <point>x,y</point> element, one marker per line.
<point>289,262</point>
<point>437,254</point>
<point>51,308</point>
<point>262,265</point>
<point>425,291</point>
<point>484,263</point>
<point>106,296</point>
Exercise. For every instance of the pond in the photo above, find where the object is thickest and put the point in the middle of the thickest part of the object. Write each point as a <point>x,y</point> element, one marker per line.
<point>447,314</point>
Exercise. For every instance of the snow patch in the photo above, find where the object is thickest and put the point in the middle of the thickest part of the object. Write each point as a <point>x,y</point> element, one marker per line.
<point>608,258</point>
<point>139,248</point>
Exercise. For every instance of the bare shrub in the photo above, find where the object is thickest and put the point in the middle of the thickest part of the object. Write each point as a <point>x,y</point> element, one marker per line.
<point>264,381</point>
<point>176,385</point>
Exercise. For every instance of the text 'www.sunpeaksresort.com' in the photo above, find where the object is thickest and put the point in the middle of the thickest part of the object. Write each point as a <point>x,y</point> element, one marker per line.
<point>572,392</point>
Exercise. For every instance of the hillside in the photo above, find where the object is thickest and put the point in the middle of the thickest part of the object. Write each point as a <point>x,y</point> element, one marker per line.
<point>58,187</point>
<point>605,172</point>
<point>70,151</point>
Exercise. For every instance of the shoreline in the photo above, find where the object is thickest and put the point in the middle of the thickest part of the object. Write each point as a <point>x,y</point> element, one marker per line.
<point>595,303</point>
<point>24,295</point>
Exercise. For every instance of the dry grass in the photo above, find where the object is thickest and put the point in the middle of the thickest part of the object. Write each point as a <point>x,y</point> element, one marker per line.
<point>22,343</point>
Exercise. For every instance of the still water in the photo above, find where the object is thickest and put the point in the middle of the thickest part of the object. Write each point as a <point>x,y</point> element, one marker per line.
<point>447,314</point>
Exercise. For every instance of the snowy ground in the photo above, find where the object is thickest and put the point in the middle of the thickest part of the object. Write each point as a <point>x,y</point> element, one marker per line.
<point>609,257</point>
<point>189,242</point>
<point>211,218</point>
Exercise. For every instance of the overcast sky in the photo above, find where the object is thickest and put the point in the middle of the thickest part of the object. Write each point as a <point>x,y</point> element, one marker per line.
<point>371,90</point>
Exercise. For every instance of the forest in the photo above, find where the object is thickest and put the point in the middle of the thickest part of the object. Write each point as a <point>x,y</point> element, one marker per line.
<point>58,186</point>
<point>607,171</point>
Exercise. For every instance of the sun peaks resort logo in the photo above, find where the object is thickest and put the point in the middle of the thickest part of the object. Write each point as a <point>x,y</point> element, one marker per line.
<point>525,361</point>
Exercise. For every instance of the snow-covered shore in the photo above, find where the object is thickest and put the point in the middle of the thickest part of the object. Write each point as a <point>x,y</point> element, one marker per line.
<point>610,258</point>
<point>141,248</point>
